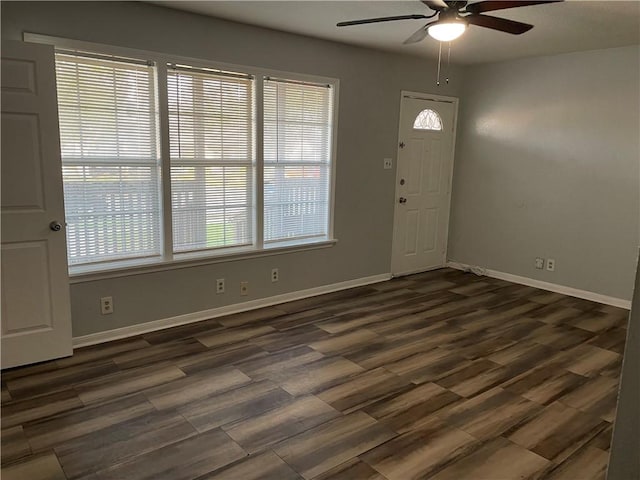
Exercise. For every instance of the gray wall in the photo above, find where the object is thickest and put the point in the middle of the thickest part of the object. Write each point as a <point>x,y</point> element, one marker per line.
<point>368,123</point>
<point>547,165</point>
<point>625,448</point>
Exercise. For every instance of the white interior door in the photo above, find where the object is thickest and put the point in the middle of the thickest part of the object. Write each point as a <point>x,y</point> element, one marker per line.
<point>423,183</point>
<point>36,318</point>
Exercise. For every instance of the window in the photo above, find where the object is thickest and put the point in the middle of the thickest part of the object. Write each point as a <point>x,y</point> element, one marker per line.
<point>110,158</point>
<point>428,120</point>
<point>297,156</point>
<point>154,176</point>
<point>212,159</point>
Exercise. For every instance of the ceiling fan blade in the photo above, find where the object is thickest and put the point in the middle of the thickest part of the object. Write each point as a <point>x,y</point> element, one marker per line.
<point>419,35</point>
<point>492,5</point>
<point>435,4</point>
<point>501,24</point>
<point>380,19</point>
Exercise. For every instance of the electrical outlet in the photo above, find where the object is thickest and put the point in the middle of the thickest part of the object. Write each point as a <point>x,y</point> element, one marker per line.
<point>275,276</point>
<point>551,264</point>
<point>387,163</point>
<point>220,285</point>
<point>244,288</point>
<point>106,305</point>
<point>539,263</point>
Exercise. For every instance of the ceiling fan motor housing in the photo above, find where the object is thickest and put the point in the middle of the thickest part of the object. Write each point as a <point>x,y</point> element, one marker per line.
<point>449,16</point>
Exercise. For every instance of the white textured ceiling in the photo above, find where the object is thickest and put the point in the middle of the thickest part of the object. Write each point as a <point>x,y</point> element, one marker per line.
<point>570,26</point>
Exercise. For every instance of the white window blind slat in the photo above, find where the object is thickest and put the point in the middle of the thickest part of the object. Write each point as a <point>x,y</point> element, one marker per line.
<point>297,155</point>
<point>211,127</point>
<point>109,146</point>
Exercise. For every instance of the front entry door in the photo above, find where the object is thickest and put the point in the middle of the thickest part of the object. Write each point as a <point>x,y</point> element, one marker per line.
<point>423,183</point>
<point>36,318</point>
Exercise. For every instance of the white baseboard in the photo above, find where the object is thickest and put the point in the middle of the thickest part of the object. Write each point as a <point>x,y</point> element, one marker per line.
<point>420,270</point>
<point>552,287</point>
<point>124,332</point>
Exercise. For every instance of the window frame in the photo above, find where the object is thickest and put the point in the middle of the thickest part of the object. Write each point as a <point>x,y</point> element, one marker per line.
<point>170,260</point>
<point>300,162</point>
<point>104,160</point>
<point>199,76</point>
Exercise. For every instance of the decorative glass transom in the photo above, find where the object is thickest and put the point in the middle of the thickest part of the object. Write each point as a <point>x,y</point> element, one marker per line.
<point>428,120</point>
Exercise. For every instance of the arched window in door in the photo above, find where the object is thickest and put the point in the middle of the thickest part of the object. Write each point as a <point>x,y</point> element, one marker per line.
<point>428,119</point>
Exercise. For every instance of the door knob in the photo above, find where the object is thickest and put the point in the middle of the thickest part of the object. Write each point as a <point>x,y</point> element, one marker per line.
<point>402,200</point>
<point>55,226</point>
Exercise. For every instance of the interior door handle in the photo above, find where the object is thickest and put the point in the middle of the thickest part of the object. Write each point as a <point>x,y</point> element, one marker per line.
<point>55,226</point>
<point>402,200</point>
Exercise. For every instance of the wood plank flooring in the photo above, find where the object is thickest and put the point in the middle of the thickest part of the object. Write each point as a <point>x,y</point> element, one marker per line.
<point>440,375</point>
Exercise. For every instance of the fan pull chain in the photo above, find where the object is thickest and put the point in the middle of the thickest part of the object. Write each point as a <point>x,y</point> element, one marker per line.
<point>448,63</point>
<point>439,62</point>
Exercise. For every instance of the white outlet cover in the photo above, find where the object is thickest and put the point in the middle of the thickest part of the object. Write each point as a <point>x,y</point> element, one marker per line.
<point>387,163</point>
<point>106,305</point>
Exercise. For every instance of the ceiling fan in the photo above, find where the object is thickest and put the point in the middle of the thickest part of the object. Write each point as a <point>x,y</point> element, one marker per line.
<point>455,16</point>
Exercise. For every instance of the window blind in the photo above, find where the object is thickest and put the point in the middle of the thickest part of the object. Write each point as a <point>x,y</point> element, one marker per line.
<point>297,160</point>
<point>110,159</point>
<point>211,128</point>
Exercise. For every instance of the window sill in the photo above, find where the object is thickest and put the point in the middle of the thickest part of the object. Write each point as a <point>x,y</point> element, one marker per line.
<point>141,267</point>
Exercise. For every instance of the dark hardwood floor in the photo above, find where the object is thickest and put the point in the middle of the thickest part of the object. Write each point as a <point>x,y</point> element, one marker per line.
<point>441,375</point>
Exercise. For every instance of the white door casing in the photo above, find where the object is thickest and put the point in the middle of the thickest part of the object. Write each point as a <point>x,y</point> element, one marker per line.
<point>36,315</point>
<point>423,185</point>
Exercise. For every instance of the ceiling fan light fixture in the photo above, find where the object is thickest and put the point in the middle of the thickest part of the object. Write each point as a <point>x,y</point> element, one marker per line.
<point>447,31</point>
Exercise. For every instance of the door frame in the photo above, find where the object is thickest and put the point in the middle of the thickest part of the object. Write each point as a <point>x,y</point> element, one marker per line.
<point>435,98</point>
